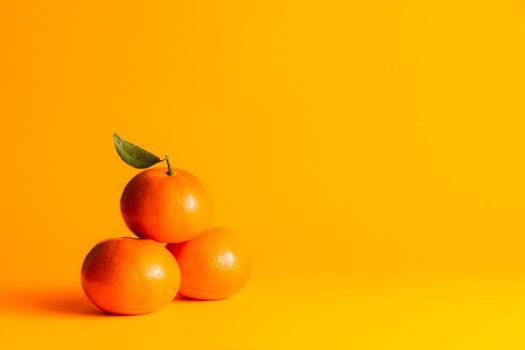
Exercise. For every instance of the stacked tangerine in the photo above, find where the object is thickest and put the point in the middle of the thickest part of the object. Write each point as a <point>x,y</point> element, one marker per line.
<point>176,252</point>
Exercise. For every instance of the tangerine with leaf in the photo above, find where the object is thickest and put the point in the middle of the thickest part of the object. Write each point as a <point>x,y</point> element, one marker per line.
<point>165,204</point>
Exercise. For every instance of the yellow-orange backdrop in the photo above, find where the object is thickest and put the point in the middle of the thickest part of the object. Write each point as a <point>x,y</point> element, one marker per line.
<point>350,144</point>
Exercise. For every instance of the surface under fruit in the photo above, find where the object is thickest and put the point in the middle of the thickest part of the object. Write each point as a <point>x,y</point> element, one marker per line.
<point>166,208</point>
<point>213,265</point>
<point>130,276</point>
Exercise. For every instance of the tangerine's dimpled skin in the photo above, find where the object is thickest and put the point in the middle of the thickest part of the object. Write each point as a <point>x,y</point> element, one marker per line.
<point>130,276</point>
<point>165,208</point>
<point>213,265</point>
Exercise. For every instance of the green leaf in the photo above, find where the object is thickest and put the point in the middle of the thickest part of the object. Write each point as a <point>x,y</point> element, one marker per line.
<point>134,155</point>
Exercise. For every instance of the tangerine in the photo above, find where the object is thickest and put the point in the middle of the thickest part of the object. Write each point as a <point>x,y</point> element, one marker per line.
<point>130,276</point>
<point>167,208</point>
<point>213,265</point>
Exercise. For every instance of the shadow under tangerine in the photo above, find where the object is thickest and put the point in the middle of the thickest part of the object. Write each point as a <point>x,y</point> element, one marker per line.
<point>66,302</point>
<point>49,301</point>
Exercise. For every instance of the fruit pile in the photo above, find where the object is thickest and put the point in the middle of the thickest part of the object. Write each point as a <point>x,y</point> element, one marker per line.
<point>141,275</point>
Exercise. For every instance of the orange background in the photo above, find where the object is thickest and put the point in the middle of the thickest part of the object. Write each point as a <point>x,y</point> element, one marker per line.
<point>370,155</point>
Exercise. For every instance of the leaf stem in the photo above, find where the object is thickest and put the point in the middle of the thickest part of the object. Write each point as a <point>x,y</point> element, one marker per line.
<point>170,169</point>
